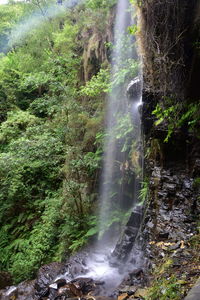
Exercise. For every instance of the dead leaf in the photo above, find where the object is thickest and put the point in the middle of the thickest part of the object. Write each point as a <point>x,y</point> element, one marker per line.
<point>182,245</point>
<point>123,296</point>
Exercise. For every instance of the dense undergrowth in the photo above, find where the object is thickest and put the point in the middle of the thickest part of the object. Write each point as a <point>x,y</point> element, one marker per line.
<point>51,131</point>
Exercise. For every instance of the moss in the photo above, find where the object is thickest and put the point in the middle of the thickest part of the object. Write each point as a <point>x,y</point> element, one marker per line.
<point>165,288</point>
<point>196,183</point>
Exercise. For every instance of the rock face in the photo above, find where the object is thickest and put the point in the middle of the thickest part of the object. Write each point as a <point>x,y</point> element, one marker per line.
<point>134,89</point>
<point>167,45</point>
<point>172,168</point>
<point>125,244</point>
<point>173,207</point>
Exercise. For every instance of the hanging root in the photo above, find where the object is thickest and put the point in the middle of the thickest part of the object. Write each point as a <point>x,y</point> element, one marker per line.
<point>165,45</point>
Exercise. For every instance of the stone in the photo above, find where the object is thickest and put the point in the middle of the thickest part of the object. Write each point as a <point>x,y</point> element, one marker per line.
<point>130,290</point>
<point>194,293</point>
<point>187,184</point>
<point>5,279</point>
<point>133,90</point>
<point>85,285</point>
<point>65,291</point>
<point>45,277</point>
<point>170,187</point>
<point>141,293</point>
<point>25,290</point>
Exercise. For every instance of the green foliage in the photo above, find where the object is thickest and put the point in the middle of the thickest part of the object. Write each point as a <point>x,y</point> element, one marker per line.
<point>178,115</point>
<point>196,183</point>
<point>117,218</point>
<point>51,135</point>
<point>125,71</point>
<point>9,16</point>
<point>133,29</point>
<point>79,231</point>
<point>30,251</point>
<point>47,136</point>
<point>165,288</point>
<point>98,85</point>
<point>144,192</point>
<point>17,122</point>
<point>96,4</point>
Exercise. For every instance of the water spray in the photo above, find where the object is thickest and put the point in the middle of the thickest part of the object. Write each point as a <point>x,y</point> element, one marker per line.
<point>21,30</point>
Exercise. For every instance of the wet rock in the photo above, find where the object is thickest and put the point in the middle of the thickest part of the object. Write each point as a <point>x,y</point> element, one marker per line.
<point>134,89</point>
<point>175,246</point>
<point>52,294</point>
<point>162,194</point>
<point>45,276</point>
<point>136,217</point>
<point>57,283</point>
<point>76,265</point>
<point>75,289</point>
<point>85,285</point>
<point>65,291</point>
<point>23,291</point>
<point>5,279</point>
<point>9,293</point>
<point>126,242</point>
<point>171,188</point>
<point>163,235</point>
<point>129,290</point>
<point>150,225</point>
<point>194,293</point>
<point>187,183</point>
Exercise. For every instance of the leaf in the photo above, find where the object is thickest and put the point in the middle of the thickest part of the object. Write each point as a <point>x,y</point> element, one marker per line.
<point>91,232</point>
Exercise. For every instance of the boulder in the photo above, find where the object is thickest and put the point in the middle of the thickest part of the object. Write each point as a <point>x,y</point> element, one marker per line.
<point>45,277</point>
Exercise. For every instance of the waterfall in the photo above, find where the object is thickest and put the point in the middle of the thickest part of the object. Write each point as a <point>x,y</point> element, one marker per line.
<point>118,192</point>
<point>121,175</point>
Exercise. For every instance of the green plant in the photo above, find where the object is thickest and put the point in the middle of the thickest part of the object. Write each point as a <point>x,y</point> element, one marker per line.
<point>165,288</point>
<point>97,85</point>
<point>176,116</point>
<point>118,217</point>
<point>96,4</point>
<point>144,192</point>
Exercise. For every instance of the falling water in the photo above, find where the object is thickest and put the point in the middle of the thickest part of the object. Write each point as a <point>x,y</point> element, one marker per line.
<point>121,176</point>
<point>119,187</point>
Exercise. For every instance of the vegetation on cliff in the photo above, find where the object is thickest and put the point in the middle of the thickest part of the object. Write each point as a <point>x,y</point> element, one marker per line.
<point>53,83</point>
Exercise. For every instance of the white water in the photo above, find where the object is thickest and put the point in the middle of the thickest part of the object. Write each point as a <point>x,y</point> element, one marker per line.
<point>113,198</point>
<point>121,115</point>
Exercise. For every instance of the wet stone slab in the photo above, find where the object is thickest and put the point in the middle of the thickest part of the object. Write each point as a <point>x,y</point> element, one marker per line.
<point>194,293</point>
